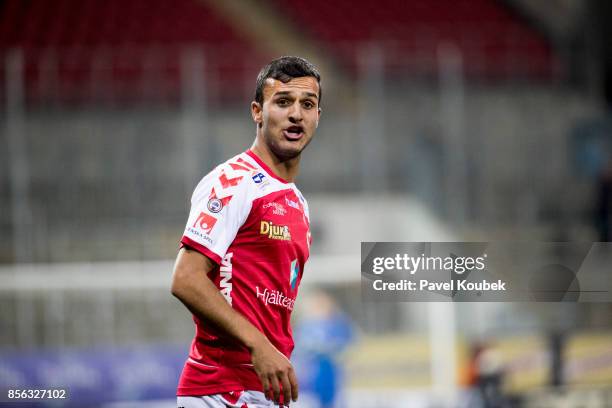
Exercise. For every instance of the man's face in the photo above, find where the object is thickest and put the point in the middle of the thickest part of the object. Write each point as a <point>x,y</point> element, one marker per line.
<point>289,115</point>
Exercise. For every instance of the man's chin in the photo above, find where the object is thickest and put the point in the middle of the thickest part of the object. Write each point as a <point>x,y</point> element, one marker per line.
<point>287,151</point>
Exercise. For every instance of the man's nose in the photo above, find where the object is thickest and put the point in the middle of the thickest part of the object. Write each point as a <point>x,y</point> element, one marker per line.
<point>295,113</point>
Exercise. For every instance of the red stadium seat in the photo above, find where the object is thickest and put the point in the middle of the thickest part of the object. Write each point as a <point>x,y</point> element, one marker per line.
<point>121,37</point>
<point>482,29</point>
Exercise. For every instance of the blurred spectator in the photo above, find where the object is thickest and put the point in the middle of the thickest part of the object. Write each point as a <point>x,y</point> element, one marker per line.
<point>321,337</point>
<point>485,379</point>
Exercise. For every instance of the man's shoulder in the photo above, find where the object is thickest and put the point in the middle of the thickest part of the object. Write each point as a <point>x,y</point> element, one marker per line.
<point>303,201</point>
<point>235,171</point>
<point>240,163</point>
<point>232,175</point>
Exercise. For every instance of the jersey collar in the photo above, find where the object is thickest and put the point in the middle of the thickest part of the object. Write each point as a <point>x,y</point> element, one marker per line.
<point>265,166</point>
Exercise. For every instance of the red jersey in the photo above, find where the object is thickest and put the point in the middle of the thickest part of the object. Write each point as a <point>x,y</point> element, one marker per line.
<point>255,226</point>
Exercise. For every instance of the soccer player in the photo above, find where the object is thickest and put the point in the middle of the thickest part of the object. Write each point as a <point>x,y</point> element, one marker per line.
<point>243,252</point>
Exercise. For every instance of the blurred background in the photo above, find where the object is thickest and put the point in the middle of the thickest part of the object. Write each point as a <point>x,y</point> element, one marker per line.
<point>443,120</point>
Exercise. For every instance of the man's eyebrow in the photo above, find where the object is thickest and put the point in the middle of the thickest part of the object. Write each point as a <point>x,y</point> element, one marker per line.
<point>287,93</point>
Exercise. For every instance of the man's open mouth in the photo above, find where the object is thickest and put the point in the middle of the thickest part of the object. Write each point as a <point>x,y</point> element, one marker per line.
<point>294,132</point>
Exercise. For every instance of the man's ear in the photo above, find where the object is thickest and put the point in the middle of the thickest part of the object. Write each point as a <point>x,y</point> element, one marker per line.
<point>257,113</point>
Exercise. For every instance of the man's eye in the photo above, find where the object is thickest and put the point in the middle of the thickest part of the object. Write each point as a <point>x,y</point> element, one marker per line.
<point>308,105</point>
<point>283,102</point>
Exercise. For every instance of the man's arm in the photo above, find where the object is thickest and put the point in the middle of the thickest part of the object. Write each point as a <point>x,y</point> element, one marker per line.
<point>191,285</point>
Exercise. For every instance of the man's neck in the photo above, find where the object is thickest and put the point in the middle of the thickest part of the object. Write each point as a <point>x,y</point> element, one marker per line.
<point>287,170</point>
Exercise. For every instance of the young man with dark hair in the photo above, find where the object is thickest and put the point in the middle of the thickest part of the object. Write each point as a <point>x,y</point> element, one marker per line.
<point>243,252</point>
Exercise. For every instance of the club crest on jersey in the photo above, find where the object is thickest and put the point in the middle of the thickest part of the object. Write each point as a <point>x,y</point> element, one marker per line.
<point>205,222</point>
<point>258,178</point>
<point>214,205</point>
<point>272,231</point>
<point>293,274</point>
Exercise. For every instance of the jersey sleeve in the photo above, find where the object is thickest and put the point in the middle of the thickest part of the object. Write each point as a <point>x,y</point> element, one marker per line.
<point>219,206</point>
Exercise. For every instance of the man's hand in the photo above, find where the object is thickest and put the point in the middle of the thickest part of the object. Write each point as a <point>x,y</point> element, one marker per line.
<point>275,372</point>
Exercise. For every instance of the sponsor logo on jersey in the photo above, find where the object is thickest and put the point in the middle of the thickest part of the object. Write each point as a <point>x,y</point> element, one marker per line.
<point>273,231</point>
<point>225,271</point>
<point>274,297</point>
<point>279,209</point>
<point>294,273</point>
<point>200,234</point>
<point>258,178</point>
<point>292,203</point>
<point>205,222</point>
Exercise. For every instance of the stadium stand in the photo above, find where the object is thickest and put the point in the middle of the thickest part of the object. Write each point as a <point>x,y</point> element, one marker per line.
<point>495,42</point>
<point>68,43</point>
<point>114,51</point>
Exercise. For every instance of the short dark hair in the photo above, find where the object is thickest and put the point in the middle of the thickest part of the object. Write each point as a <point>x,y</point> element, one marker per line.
<point>285,69</point>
